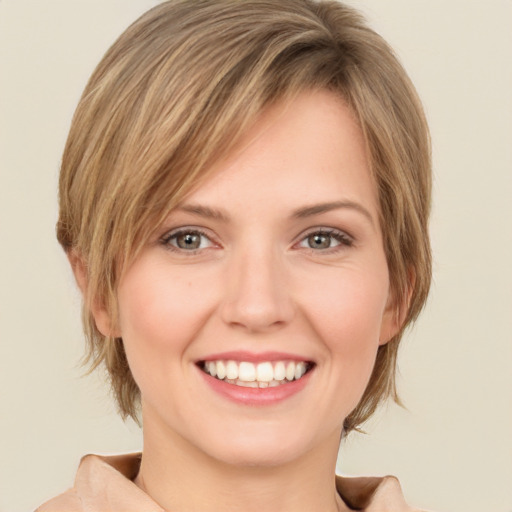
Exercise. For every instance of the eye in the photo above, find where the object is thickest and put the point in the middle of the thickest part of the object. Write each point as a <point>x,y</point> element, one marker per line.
<point>325,239</point>
<point>188,240</point>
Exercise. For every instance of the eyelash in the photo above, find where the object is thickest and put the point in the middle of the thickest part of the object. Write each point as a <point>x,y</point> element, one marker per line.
<point>173,235</point>
<point>344,240</point>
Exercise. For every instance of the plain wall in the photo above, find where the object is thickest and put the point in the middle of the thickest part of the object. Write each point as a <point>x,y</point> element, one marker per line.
<point>452,447</point>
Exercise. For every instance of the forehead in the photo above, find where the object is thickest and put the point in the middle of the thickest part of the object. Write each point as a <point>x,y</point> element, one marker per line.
<point>304,151</point>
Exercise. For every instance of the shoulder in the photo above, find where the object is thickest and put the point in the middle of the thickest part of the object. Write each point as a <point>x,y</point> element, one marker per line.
<point>68,501</point>
<point>93,472</point>
<point>104,483</point>
<point>373,494</point>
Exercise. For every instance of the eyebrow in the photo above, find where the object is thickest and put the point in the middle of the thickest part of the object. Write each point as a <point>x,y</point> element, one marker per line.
<point>204,211</point>
<point>300,213</point>
<point>317,209</point>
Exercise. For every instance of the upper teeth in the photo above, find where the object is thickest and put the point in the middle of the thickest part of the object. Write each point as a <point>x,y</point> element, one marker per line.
<point>265,372</point>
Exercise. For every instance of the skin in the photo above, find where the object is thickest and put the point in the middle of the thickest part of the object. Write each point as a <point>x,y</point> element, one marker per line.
<point>256,284</point>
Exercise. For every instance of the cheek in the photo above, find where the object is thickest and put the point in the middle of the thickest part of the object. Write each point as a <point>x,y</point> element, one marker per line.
<point>347,314</point>
<point>349,304</point>
<point>159,314</point>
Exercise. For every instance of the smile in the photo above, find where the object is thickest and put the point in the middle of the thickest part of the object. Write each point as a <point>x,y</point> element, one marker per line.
<point>261,375</point>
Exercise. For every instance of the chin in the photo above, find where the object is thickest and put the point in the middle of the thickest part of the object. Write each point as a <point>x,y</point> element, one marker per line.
<point>267,448</point>
<point>257,456</point>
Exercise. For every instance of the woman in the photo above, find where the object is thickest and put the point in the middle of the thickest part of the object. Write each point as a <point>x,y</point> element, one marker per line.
<point>244,198</point>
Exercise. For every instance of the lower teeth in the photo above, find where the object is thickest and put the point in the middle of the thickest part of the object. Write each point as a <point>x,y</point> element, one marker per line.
<point>255,384</point>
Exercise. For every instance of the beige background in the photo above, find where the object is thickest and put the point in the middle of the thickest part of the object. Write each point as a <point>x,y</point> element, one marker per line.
<point>452,449</point>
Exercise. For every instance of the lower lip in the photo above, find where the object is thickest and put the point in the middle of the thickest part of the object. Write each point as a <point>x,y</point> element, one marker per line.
<point>256,396</point>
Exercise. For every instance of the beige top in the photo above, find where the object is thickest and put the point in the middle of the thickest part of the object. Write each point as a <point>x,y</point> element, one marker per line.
<point>106,484</point>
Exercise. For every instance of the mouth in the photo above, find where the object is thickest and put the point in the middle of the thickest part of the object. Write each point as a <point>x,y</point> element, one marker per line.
<point>265,374</point>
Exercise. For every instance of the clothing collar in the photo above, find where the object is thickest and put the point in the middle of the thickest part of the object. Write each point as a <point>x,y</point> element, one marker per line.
<point>106,483</point>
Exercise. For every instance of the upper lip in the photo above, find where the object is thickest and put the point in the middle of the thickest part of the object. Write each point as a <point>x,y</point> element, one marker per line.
<point>253,357</point>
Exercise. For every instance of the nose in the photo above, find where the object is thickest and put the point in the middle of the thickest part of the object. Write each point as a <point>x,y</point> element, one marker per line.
<point>257,294</point>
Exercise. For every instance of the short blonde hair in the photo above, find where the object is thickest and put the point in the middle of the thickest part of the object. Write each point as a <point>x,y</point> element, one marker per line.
<point>176,92</point>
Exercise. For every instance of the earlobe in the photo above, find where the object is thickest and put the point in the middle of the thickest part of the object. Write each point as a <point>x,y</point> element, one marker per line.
<point>99,312</point>
<point>396,313</point>
<point>391,324</point>
<point>103,321</point>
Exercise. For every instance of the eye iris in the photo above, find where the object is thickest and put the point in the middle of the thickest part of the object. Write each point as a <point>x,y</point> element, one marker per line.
<point>188,241</point>
<point>319,241</point>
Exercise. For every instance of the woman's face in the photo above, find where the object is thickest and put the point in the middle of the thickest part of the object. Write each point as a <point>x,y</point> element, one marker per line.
<point>273,267</point>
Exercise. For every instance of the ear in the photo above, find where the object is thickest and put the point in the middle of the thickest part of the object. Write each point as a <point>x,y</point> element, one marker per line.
<point>98,310</point>
<point>396,312</point>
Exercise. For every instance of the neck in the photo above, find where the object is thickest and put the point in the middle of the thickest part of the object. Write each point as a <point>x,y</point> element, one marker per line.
<point>178,476</point>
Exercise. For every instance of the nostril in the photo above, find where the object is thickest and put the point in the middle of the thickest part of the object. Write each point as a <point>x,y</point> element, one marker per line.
<point>257,317</point>
<point>256,297</point>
